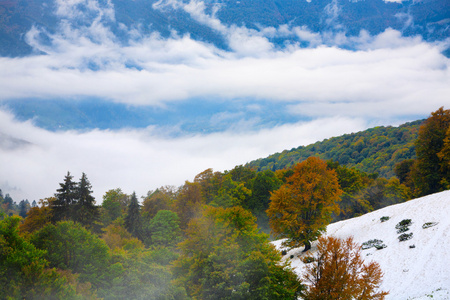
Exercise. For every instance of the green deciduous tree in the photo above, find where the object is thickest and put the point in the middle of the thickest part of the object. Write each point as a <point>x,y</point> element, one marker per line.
<point>117,236</point>
<point>210,183</point>
<point>301,209</point>
<point>225,257</point>
<point>189,202</point>
<point>164,229</point>
<point>231,193</point>
<point>23,268</point>
<point>69,245</point>
<point>115,204</point>
<point>141,276</point>
<point>264,184</point>
<point>431,169</point>
<point>352,183</point>
<point>161,199</point>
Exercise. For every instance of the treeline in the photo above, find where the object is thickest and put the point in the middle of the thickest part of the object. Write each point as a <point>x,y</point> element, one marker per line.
<point>9,207</point>
<point>196,241</point>
<point>202,240</point>
<point>375,150</point>
<point>199,241</point>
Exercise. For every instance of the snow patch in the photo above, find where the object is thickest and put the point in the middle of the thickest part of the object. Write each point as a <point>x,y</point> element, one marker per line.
<point>413,269</point>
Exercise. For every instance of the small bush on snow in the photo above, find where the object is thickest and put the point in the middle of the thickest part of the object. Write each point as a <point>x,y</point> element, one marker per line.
<point>384,219</point>
<point>403,226</point>
<point>405,236</point>
<point>373,243</point>
<point>403,223</point>
<point>429,224</point>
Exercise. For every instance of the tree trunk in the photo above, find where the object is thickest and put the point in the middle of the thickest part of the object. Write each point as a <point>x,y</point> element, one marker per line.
<point>307,246</point>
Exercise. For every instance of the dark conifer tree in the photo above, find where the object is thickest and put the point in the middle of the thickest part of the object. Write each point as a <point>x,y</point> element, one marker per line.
<point>9,206</point>
<point>133,221</point>
<point>24,207</point>
<point>8,200</point>
<point>65,200</point>
<point>85,210</point>
<point>34,204</point>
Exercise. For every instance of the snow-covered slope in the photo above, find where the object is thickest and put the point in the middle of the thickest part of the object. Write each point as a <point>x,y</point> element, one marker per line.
<point>418,268</point>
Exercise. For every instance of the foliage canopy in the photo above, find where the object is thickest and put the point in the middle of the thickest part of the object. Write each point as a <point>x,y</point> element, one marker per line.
<point>301,209</point>
<point>338,273</point>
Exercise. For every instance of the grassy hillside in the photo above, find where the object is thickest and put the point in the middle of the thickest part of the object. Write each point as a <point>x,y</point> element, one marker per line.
<point>375,150</point>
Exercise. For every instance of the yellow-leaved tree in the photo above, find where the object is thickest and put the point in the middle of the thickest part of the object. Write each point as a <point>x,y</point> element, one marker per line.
<point>301,209</point>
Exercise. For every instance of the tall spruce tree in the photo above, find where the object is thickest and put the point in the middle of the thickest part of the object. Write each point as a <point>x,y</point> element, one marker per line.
<point>85,210</point>
<point>66,198</point>
<point>24,207</point>
<point>133,220</point>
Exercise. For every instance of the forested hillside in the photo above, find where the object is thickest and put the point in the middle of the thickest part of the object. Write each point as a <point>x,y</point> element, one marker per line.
<point>375,150</point>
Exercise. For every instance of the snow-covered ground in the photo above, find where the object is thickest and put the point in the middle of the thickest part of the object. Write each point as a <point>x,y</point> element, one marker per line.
<point>418,268</point>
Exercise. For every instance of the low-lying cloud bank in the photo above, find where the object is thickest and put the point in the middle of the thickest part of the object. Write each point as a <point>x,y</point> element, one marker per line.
<point>34,160</point>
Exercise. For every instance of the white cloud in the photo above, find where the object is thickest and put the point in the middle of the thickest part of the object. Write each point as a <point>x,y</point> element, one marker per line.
<point>140,160</point>
<point>389,69</point>
<point>386,69</point>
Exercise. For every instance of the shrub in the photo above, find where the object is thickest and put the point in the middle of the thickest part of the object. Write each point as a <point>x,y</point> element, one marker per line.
<point>403,223</point>
<point>405,236</point>
<point>373,243</point>
<point>429,224</point>
<point>384,219</point>
<point>402,229</point>
<point>403,226</point>
<point>379,247</point>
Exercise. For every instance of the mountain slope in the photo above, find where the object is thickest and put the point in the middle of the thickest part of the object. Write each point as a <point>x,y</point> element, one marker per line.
<point>409,273</point>
<point>373,150</point>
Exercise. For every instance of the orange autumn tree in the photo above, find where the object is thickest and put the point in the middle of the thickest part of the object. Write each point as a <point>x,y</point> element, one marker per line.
<point>301,209</point>
<point>338,272</point>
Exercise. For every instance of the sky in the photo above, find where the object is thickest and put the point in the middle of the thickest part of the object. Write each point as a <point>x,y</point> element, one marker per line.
<point>321,90</point>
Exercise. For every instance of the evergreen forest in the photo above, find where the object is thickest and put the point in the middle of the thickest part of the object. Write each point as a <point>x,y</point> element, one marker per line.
<point>210,237</point>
